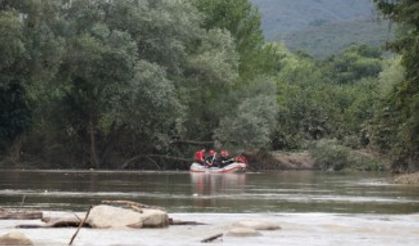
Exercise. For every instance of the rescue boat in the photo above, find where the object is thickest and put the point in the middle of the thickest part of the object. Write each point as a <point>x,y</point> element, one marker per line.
<point>235,167</point>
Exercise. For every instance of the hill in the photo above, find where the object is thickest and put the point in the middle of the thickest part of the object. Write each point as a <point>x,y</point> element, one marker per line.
<point>332,38</point>
<point>333,24</point>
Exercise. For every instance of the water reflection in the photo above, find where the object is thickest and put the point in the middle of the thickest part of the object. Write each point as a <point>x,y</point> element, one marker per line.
<point>212,184</point>
<point>207,186</point>
<point>185,192</point>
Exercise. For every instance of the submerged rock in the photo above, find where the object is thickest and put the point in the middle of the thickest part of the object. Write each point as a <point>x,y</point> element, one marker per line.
<point>15,238</point>
<point>257,225</point>
<point>243,232</point>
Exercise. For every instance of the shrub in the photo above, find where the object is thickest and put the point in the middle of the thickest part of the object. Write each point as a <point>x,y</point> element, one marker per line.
<point>363,162</point>
<point>329,155</point>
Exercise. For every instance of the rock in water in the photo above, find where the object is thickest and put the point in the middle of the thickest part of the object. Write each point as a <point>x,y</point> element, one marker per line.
<point>15,238</point>
<point>104,216</point>
<point>243,232</point>
<point>257,225</point>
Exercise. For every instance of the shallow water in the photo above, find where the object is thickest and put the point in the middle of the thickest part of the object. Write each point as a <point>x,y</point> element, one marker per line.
<point>290,192</point>
<point>297,229</point>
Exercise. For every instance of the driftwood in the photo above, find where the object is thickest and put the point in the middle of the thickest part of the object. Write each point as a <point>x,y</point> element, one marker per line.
<point>180,222</point>
<point>56,223</point>
<point>19,215</point>
<point>212,238</point>
<point>136,206</point>
<point>30,226</point>
<point>80,225</point>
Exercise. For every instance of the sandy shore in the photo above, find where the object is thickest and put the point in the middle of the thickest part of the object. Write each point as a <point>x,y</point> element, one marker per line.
<point>297,229</point>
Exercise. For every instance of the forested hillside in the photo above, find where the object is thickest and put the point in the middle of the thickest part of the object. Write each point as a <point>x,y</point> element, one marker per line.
<point>328,39</point>
<point>324,27</point>
<point>144,83</point>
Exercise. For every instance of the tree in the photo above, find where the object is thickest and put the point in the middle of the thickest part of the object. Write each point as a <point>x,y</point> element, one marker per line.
<point>354,63</point>
<point>15,115</point>
<point>99,62</point>
<point>402,105</point>
<point>243,21</point>
<point>251,126</point>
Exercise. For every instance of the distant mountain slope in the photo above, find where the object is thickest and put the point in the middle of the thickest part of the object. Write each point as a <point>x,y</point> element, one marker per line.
<point>329,39</point>
<point>332,23</point>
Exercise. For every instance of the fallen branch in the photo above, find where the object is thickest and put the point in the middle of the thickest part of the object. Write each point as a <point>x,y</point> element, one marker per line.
<point>30,226</point>
<point>80,226</point>
<point>58,223</point>
<point>154,162</point>
<point>212,238</point>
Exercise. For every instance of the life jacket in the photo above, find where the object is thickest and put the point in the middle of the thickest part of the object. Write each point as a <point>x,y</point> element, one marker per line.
<point>199,155</point>
<point>211,157</point>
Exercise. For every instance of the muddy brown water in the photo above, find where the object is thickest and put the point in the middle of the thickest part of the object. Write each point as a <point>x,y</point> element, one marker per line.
<point>288,192</point>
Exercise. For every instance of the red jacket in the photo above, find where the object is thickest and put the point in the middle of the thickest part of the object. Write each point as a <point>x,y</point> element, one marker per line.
<point>199,156</point>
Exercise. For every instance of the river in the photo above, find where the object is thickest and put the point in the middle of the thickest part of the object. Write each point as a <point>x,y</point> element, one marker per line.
<point>306,204</point>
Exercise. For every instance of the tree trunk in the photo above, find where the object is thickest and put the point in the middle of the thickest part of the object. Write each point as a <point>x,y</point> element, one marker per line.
<point>92,134</point>
<point>15,150</point>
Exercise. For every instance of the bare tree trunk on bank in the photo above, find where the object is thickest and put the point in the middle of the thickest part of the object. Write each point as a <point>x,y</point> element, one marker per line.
<point>92,134</point>
<point>15,150</point>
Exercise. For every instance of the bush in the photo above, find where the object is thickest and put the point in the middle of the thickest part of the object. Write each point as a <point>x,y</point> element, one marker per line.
<point>329,155</point>
<point>363,162</point>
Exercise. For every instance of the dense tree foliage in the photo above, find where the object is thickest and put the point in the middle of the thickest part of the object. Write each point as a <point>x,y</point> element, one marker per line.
<point>144,83</point>
<point>397,122</point>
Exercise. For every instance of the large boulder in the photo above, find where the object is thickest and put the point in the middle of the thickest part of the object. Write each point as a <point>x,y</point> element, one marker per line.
<point>104,216</point>
<point>243,232</point>
<point>15,238</point>
<point>257,225</point>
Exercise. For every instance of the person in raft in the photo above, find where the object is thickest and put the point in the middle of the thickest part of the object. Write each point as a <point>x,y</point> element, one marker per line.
<point>199,156</point>
<point>210,158</point>
<point>225,158</point>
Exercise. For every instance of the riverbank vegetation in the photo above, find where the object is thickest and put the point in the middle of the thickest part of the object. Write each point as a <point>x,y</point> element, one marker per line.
<point>142,84</point>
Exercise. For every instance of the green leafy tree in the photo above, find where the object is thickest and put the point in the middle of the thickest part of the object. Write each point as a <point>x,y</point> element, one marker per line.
<point>251,126</point>
<point>400,111</point>
<point>15,115</point>
<point>355,63</point>
<point>98,63</point>
<point>243,21</point>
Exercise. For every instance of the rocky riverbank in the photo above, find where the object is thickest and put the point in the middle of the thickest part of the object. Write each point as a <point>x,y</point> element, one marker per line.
<point>296,229</point>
